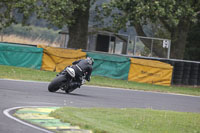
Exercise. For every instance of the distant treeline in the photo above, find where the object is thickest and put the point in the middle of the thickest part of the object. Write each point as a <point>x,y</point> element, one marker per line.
<point>32,32</point>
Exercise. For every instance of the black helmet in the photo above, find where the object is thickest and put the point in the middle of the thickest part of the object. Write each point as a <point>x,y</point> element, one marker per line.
<point>90,60</point>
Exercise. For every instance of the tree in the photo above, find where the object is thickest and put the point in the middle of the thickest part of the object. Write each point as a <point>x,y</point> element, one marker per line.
<point>73,14</point>
<point>193,43</point>
<point>10,9</point>
<point>176,16</point>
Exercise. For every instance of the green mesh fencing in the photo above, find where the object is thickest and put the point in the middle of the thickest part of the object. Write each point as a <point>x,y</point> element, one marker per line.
<point>20,55</point>
<point>111,66</point>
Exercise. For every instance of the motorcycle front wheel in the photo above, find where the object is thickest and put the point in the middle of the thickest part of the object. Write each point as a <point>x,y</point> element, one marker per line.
<point>56,83</point>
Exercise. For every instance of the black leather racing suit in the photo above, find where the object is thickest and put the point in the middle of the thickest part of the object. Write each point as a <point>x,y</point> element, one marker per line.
<point>80,67</point>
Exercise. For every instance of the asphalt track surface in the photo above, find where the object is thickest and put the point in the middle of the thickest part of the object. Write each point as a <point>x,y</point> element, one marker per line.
<point>27,93</point>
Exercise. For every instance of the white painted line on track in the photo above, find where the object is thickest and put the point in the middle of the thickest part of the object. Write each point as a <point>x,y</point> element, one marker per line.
<point>40,103</point>
<point>6,112</point>
<point>175,94</point>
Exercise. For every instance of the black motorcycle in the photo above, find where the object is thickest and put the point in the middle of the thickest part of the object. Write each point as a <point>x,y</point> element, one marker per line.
<point>66,81</point>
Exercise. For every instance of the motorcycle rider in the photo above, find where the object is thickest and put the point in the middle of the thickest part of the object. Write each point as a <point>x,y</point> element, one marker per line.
<point>81,67</point>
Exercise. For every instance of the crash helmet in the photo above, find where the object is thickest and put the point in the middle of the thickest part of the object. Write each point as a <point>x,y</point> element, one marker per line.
<point>90,60</point>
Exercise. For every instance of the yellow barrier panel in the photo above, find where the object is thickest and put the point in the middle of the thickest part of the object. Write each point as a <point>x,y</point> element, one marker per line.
<point>150,71</point>
<point>56,59</point>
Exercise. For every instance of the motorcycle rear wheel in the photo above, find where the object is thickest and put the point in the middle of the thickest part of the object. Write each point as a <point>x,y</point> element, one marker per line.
<point>56,83</point>
<point>69,90</point>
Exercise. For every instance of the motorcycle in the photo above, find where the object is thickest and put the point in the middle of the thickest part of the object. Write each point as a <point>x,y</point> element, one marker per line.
<point>66,81</point>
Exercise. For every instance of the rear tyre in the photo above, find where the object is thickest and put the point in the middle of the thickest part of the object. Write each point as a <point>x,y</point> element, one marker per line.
<point>69,90</point>
<point>56,83</point>
<point>72,87</point>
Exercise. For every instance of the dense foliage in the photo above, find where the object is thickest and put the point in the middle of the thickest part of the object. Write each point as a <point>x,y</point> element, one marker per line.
<point>193,43</point>
<point>172,19</point>
<point>173,15</point>
<point>59,13</point>
<point>33,32</point>
<point>9,9</point>
<point>69,13</point>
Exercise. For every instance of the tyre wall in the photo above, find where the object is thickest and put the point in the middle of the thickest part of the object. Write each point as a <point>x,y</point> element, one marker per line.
<point>184,72</point>
<point>113,66</point>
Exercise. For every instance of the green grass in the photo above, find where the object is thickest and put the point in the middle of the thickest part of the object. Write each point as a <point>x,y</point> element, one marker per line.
<point>112,120</point>
<point>103,81</point>
<point>20,73</point>
<point>10,72</point>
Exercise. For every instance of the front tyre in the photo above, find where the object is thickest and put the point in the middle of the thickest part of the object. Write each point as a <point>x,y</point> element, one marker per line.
<point>56,83</point>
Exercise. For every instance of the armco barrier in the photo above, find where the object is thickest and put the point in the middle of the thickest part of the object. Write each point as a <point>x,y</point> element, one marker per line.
<point>20,55</point>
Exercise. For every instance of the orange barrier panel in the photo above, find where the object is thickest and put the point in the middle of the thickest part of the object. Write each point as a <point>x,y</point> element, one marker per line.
<point>56,59</point>
<point>150,71</point>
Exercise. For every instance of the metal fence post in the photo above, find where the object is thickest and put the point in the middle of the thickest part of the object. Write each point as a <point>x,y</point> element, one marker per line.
<point>134,48</point>
<point>169,48</point>
<point>1,35</point>
<point>151,47</point>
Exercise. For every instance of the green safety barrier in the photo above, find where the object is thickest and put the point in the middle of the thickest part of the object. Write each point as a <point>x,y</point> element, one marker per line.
<point>111,66</point>
<point>20,55</point>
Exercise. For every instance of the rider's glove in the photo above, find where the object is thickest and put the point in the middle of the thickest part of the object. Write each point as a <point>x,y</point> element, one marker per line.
<point>88,79</point>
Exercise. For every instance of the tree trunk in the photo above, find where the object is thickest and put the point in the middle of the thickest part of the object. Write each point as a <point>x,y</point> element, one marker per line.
<point>179,40</point>
<point>78,31</point>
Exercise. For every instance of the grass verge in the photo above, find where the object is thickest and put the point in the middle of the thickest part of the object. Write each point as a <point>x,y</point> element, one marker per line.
<point>112,120</point>
<point>11,72</point>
